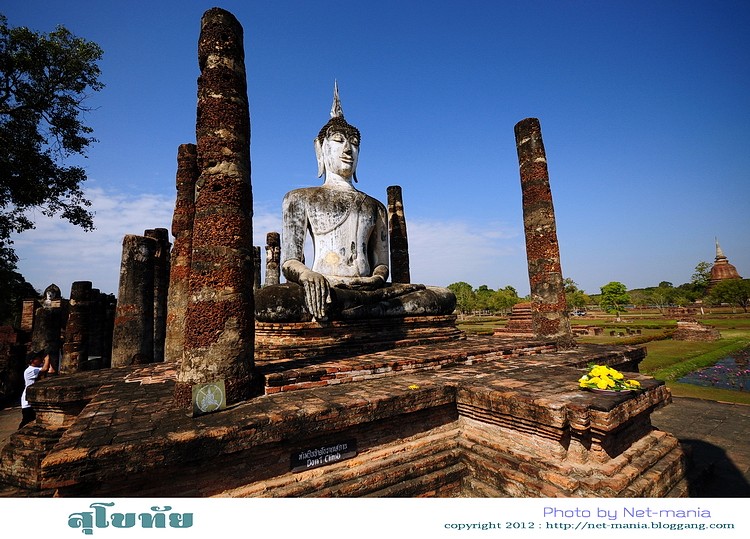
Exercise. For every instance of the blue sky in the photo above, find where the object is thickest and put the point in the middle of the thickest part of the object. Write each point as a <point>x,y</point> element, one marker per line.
<point>643,105</point>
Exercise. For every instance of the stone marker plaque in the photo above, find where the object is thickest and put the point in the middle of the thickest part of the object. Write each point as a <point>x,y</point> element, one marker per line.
<point>307,459</point>
<point>209,398</point>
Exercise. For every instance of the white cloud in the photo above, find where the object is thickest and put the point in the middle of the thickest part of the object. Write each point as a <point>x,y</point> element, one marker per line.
<point>58,252</point>
<point>441,252</point>
<point>265,221</point>
<point>444,252</point>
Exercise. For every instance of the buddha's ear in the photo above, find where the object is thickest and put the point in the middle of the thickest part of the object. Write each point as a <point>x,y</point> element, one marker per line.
<point>319,156</point>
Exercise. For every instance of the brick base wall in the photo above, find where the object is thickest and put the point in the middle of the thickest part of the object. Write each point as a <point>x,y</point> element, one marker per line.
<point>491,425</point>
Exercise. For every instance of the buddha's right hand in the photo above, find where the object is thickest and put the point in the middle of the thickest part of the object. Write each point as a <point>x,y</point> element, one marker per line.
<point>317,293</point>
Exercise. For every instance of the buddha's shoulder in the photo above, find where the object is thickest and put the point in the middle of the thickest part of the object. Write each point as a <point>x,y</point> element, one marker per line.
<point>316,193</point>
<point>302,192</point>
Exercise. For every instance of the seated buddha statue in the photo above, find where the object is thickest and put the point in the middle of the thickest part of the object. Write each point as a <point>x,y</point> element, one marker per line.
<point>349,229</point>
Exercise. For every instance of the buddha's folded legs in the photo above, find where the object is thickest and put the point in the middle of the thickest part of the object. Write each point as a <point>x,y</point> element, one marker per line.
<point>286,302</point>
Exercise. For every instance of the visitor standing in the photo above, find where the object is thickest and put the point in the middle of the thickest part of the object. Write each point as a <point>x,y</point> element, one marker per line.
<point>39,366</point>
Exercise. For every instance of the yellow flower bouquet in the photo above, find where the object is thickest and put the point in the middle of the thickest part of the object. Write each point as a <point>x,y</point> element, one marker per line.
<point>603,378</point>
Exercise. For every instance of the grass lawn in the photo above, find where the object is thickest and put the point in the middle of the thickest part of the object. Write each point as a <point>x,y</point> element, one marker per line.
<point>667,359</point>
<point>670,360</point>
<point>481,325</point>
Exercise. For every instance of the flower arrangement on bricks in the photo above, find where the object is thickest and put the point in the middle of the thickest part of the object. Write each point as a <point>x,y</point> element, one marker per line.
<point>603,378</point>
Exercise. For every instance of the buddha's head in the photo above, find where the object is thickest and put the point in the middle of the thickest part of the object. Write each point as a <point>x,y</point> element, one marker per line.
<point>337,144</point>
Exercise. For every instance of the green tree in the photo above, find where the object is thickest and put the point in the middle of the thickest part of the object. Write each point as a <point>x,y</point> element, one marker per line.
<point>13,291</point>
<point>569,285</point>
<point>663,295</point>
<point>575,297</point>
<point>577,300</point>
<point>640,298</point>
<point>465,298</point>
<point>484,298</point>
<point>701,277</point>
<point>690,291</point>
<point>504,299</point>
<point>44,81</point>
<point>732,291</point>
<point>614,297</point>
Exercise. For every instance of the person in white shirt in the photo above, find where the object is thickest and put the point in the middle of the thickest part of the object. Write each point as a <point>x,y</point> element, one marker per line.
<point>39,366</point>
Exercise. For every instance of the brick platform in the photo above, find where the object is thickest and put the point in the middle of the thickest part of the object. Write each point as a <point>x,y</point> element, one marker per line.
<point>519,324</point>
<point>294,374</point>
<point>314,340</point>
<point>692,330</point>
<point>489,421</point>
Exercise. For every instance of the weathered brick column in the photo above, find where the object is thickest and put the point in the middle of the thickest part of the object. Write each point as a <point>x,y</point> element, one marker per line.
<point>110,312</point>
<point>95,323</point>
<point>256,267</point>
<point>133,335</point>
<point>75,349</point>
<point>27,314</point>
<point>273,258</point>
<point>399,243</point>
<point>100,330</point>
<point>182,251</point>
<point>161,288</point>
<point>549,308</point>
<point>48,322</point>
<point>219,331</point>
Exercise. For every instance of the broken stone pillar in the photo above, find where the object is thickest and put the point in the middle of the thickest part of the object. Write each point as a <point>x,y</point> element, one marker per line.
<point>110,311</point>
<point>549,308</point>
<point>48,324</point>
<point>182,250</point>
<point>96,324</point>
<point>219,331</point>
<point>101,318</point>
<point>27,314</point>
<point>161,288</point>
<point>47,332</point>
<point>399,243</point>
<point>256,267</point>
<point>75,350</point>
<point>133,336</point>
<point>273,258</point>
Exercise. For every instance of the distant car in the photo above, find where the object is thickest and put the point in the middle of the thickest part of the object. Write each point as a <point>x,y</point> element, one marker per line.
<point>578,313</point>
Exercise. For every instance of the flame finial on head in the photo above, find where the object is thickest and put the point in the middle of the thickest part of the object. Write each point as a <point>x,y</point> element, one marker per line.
<point>336,110</point>
<point>337,121</point>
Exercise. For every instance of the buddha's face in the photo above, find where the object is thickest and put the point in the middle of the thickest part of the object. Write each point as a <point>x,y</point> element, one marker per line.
<point>340,153</point>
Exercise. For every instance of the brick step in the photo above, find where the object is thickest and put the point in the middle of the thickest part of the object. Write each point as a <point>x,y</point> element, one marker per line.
<point>21,457</point>
<point>292,375</point>
<point>342,338</point>
<point>651,483</point>
<point>426,484</point>
<point>501,475</point>
<point>19,466</point>
<point>364,473</point>
<point>474,488</point>
<point>411,473</point>
<point>37,437</point>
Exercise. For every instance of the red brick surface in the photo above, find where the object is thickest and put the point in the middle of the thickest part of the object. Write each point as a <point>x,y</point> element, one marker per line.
<point>494,423</point>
